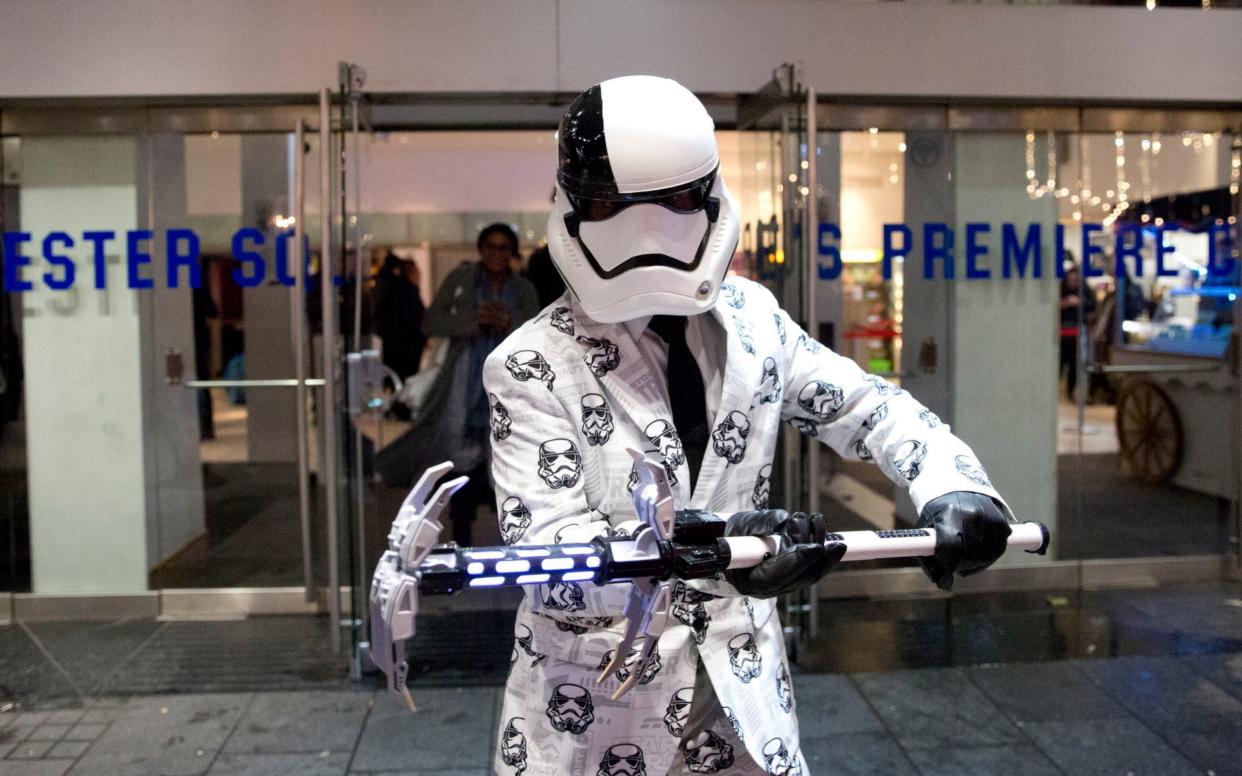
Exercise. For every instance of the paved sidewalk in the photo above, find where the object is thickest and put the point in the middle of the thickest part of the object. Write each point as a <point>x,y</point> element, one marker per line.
<point>1124,682</point>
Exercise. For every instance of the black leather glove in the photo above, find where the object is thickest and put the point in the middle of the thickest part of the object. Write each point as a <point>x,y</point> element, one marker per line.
<point>804,557</point>
<point>971,533</point>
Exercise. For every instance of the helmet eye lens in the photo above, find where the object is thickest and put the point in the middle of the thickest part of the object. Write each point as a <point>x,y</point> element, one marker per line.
<point>687,200</point>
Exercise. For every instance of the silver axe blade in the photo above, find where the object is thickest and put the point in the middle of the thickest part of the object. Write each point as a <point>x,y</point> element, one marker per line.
<point>394,587</point>
<point>647,607</point>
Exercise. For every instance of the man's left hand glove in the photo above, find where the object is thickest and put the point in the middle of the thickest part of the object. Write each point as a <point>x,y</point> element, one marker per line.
<point>971,533</point>
<point>803,559</point>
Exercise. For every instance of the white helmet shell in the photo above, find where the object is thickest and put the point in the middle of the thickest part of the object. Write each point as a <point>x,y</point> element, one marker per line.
<point>643,223</point>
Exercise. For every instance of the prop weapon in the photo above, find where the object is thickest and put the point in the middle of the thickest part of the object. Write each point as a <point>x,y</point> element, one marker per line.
<point>647,560</point>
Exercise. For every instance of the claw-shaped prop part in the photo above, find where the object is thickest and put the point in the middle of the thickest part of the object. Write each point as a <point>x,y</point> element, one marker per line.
<point>394,587</point>
<point>646,609</point>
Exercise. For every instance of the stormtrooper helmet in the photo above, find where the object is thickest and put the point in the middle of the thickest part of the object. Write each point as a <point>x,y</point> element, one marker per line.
<point>762,493</point>
<point>733,721</point>
<point>642,223</point>
<point>770,384</point>
<point>564,597</point>
<point>970,469</point>
<point>821,400</point>
<point>513,745</point>
<point>623,673</point>
<point>501,425</point>
<point>909,458</point>
<point>744,657</point>
<point>776,759</point>
<point>596,419</point>
<point>515,519</point>
<point>602,354</point>
<point>708,753</point>
<point>729,438</point>
<point>662,434</point>
<point>784,690</point>
<point>622,760</point>
<point>559,463</point>
<point>570,709</point>
<point>563,320</point>
<point>530,365</point>
<point>678,711</point>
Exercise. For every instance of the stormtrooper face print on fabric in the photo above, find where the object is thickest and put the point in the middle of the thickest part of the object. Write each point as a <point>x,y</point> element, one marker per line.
<point>708,753</point>
<point>776,759</point>
<point>678,711</point>
<point>513,745</point>
<point>784,689</point>
<point>733,721</point>
<point>603,356</point>
<point>804,426</point>
<point>860,450</point>
<point>563,320</point>
<point>689,610</point>
<point>882,387</point>
<point>971,470</point>
<point>780,327</point>
<point>559,463</point>
<point>733,296</point>
<point>743,333</point>
<point>622,760</point>
<point>770,384</point>
<point>523,639</point>
<point>662,434</point>
<point>811,345</point>
<point>530,365</point>
<point>763,487</point>
<point>571,709</point>
<point>744,657</point>
<point>877,415</point>
<point>502,426</point>
<point>649,672</point>
<point>909,458</point>
<point>596,419</point>
<point>821,400</point>
<point>569,627</point>
<point>929,417</point>
<point>514,520</point>
<point>564,597</point>
<point>729,438</point>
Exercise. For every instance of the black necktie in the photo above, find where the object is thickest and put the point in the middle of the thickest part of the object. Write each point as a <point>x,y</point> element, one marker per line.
<point>685,390</point>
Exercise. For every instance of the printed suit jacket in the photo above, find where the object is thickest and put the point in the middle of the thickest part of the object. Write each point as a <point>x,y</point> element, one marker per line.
<point>569,395</point>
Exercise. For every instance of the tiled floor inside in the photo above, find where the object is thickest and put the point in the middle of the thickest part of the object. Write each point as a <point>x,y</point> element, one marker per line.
<point>1119,682</point>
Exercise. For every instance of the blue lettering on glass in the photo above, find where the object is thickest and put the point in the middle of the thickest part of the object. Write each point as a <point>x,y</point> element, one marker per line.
<point>1018,255</point>
<point>1164,249</point>
<point>825,248</point>
<point>891,251</point>
<point>14,261</point>
<point>1089,267</point>
<point>100,257</point>
<point>1129,243</point>
<point>1217,268</point>
<point>49,254</point>
<point>135,257</point>
<point>247,256</point>
<point>188,259</point>
<point>976,250</point>
<point>933,250</point>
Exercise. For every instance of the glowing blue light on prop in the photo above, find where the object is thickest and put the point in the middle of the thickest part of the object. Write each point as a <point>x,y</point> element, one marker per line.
<point>557,564</point>
<point>487,581</point>
<point>485,554</point>
<point>582,549</point>
<point>530,579</point>
<point>474,569</point>
<point>578,576</point>
<point>512,566</point>
<point>593,562</point>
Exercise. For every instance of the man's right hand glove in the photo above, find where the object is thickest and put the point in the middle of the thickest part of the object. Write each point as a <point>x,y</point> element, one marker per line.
<point>803,560</point>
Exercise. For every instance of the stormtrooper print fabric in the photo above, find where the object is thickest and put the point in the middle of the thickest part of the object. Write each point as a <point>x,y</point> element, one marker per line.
<point>575,394</point>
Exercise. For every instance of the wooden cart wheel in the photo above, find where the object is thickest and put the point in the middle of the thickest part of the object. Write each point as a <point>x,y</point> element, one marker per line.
<point>1148,431</point>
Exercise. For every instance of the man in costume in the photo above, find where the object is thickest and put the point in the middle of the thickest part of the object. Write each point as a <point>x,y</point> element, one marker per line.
<point>654,347</point>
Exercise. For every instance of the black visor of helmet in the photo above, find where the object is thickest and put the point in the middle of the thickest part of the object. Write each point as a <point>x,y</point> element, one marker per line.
<point>600,205</point>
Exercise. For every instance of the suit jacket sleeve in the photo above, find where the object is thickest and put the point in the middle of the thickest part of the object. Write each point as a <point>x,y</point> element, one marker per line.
<point>551,507</point>
<point>864,417</point>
